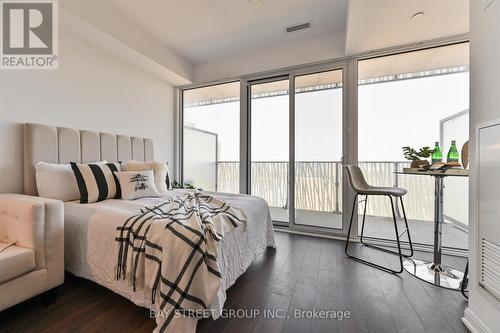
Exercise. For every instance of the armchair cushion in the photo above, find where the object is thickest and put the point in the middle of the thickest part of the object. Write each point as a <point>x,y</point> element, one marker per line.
<point>34,223</point>
<point>15,261</point>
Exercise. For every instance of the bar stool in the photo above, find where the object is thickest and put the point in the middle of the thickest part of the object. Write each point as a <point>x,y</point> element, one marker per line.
<point>361,187</point>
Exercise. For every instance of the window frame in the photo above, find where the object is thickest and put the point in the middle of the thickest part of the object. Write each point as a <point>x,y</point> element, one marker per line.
<point>349,64</point>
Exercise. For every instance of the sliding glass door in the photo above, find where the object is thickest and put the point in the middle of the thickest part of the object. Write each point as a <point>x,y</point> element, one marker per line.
<point>291,149</point>
<point>269,144</point>
<point>309,194</point>
<point>318,149</point>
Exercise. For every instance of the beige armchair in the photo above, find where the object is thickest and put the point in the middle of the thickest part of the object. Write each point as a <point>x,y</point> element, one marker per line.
<point>31,247</point>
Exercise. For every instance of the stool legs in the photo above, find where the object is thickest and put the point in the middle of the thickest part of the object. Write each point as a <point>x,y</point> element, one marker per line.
<point>407,230</point>
<point>465,281</point>
<point>398,253</point>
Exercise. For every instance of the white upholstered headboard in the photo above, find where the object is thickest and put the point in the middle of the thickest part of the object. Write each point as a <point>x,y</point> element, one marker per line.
<point>51,144</point>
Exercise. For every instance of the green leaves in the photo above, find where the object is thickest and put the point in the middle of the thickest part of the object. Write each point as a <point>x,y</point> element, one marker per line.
<point>425,152</point>
<point>414,155</point>
<point>187,186</point>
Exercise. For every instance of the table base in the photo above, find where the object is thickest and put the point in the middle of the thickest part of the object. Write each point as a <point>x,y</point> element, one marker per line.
<point>438,275</point>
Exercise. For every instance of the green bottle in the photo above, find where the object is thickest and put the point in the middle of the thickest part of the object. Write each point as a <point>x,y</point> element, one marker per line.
<point>452,153</point>
<point>437,156</point>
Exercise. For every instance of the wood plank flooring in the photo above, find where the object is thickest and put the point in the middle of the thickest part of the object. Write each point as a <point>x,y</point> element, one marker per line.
<point>304,273</point>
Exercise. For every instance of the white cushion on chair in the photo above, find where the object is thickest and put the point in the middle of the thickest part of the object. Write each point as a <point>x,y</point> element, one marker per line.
<point>36,262</point>
<point>15,261</point>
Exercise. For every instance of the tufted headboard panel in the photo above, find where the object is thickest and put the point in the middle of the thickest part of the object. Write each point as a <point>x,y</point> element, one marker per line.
<point>51,144</point>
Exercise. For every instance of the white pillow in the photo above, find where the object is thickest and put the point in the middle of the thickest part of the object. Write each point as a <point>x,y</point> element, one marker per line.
<point>160,172</point>
<point>137,184</point>
<point>56,181</point>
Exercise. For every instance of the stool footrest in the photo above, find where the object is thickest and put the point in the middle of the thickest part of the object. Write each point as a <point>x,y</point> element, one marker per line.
<point>404,232</point>
<point>387,250</point>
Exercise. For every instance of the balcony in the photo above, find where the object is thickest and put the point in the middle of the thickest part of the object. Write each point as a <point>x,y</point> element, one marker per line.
<point>318,195</point>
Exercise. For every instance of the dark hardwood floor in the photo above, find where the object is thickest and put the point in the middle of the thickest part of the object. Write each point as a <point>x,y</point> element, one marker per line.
<point>304,273</point>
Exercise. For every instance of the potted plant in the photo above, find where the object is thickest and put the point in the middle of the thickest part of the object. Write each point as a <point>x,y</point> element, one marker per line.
<point>417,158</point>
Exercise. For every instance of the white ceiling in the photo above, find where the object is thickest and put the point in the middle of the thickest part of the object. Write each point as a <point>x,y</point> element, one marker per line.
<point>376,24</point>
<point>206,30</point>
<point>216,39</point>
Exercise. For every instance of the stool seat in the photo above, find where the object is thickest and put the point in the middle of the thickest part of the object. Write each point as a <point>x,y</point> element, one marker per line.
<point>360,186</point>
<point>374,190</point>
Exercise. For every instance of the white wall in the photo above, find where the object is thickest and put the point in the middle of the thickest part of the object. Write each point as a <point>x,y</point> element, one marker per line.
<point>483,313</point>
<point>108,21</point>
<point>316,49</point>
<point>92,89</point>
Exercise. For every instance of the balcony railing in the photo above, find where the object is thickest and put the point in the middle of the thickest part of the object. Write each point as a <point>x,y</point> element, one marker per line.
<point>318,186</point>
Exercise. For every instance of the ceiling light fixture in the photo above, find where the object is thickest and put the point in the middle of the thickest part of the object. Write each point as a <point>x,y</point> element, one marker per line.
<point>256,2</point>
<point>417,15</point>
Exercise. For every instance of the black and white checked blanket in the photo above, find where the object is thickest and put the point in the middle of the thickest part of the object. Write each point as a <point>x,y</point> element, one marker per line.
<point>170,251</point>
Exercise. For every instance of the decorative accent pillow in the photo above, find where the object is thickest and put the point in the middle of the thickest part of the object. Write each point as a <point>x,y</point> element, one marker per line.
<point>57,181</point>
<point>167,178</point>
<point>160,169</point>
<point>137,184</point>
<point>97,182</point>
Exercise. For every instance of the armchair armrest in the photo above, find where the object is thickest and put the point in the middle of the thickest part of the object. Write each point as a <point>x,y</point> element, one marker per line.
<point>38,224</point>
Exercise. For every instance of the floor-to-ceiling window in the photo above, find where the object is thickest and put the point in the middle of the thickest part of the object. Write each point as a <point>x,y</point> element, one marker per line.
<point>318,149</point>
<point>269,142</point>
<point>211,147</point>
<point>414,99</point>
<point>211,136</point>
<point>406,99</point>
<point>317,144</point>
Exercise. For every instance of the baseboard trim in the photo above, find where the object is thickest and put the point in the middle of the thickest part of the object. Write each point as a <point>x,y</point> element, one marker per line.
<point>374,241</point>
<point>473,323</point>
<point>305,233</point>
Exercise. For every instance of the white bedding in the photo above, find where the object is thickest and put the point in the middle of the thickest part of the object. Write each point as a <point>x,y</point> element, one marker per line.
<point>90,249</point>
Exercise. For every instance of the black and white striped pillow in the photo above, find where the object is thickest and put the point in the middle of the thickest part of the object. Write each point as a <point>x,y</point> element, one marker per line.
<point>97,182</point>
<point>167,178</point>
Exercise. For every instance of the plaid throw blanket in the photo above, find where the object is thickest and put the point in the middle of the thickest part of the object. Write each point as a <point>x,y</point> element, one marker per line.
<point>170,252</point>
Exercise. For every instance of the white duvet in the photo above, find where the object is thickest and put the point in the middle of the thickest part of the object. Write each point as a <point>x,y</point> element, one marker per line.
<point>91,253</point>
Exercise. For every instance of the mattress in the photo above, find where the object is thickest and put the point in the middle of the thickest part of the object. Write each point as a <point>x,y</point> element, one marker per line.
<point>91,252</point>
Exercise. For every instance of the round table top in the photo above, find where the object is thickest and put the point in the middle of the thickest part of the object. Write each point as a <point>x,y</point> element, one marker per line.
<point>436,173</point>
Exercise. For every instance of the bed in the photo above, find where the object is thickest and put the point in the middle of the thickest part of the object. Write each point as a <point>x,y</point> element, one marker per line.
<point>90,229</point>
